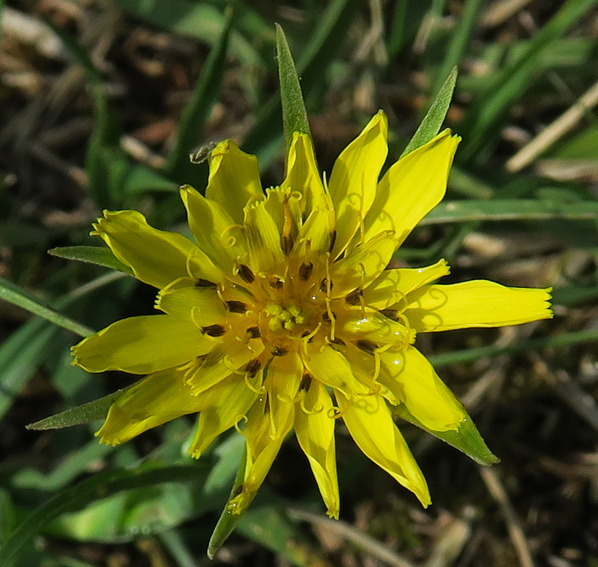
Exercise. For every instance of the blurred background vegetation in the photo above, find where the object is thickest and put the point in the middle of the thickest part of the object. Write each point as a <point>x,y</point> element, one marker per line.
<point>101,103</point>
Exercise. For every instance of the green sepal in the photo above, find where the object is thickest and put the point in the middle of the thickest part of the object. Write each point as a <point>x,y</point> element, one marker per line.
<point>466,438</point>
<point>228,521</point>
<point>85,413</point>
<point>92,255</point>
<point>434,118</point>
<point>294,115</point>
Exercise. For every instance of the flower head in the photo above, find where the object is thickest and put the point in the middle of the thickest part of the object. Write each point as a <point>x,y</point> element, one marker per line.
<point>283,316</point>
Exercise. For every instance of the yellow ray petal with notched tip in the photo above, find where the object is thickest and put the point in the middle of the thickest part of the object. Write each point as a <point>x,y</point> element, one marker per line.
<point>213,229</point>
<point>314,427</point>
<point>303,175</point>
<point>159,398</point>
<point>221,407</point>
<point>476,303</point>
<point>234,179</point>
<point>411,378</point>
<point>156,257</point>
<point>411,188</point>
<point>375,433</point>
<point>354,179</point>
<point>141,345</point>
<point>261,452</point>
<point>392,286</point>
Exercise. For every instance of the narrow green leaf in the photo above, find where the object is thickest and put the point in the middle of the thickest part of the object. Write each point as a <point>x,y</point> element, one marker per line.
<point>99,486</point>
<point>466,438</point>
<point>432,122</point>
<point>294,115</point>
<point>197,111</point>
<point>227,522</point>
<point>97,255</point>
<point>510,209</point>
<point>85,413</point>
<point>14,294</point>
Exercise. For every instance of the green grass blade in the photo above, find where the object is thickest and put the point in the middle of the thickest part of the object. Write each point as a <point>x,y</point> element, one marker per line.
<point>510,209</point>
<point>90,490</point>
<point>459,40</point>
<point>17,296</point>
<point>196,113</point>
<point>294,115</point>
<point>471,354</point>
<point>432,122</point>
<point>506,86</point>
<point>197,20</point>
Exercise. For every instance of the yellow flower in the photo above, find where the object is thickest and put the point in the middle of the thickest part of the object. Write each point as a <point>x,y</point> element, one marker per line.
<point>282,316</point>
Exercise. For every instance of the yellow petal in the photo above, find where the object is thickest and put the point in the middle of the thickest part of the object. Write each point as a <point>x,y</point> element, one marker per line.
<point>261,452</point>
<point>229,358</point>
<point>415,383</point>
<point>213,229</point>
<point>141,345</point>
<point>263,239</point>
<point>234,179</point>
<point>156,257</point>
<point>303,175</point>
<point>314,427</point>
<point>282,378</point>
<point>331,368</point>
<point>159,398</point>
<point>354,178</point>
<point>412,187</point>
<point>393,285</point>
<point>370,424</point>
<point>183,300</point>
<point>477,303</point>
<point>363,265</point>
<point>222,406</point>
<point>368,325</point>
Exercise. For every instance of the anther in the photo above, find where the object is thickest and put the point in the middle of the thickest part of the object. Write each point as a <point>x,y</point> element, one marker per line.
<point>253,367</point>
<point>354,297</point>
<point>235,306</point>
<point>391,314</point>
<point>276,283</point>
<point>246,273</point>
<point>305,382</point>
<point>267,404</point>
<point>324,285</point>
<point>286,243</point>
<point>305,270</point>
<point>326,317</point>
<point>204,283</point>
<point>279,351</point>
<point>332,240</point>
<point>306,334</point>
<point>213,330</point>
<point>337,341</point>
<point>254,332</point>
<point>366,346</point>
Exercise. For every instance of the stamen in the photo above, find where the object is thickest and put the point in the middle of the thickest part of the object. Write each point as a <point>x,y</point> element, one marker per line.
<point>254,332</point>
<point>279,351</point>
<point>366,346</point>
<point>276,283</point>
<point>391,314</point>
<point>267,404</point>
<point>332,240</point>
<point>204,283</point>
<point>354,297</point>
<point>253,367</point>
<point>336,341</point>
<point>305,382</point>
<point>305,270</point>
<point>235,306</point>
<point>213,330</point>
<point>246,274</point>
